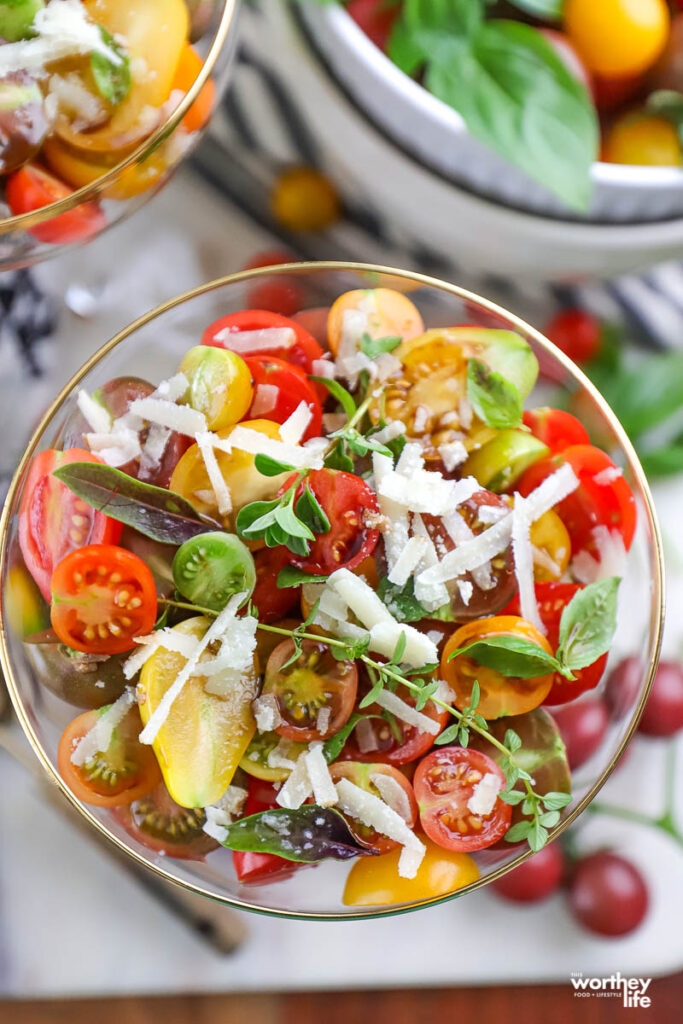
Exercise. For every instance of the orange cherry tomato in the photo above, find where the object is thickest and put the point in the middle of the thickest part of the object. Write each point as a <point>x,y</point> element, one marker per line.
<point>617,37</point>
<point>31,188</point>
<point>643,140</point>
<point>187,71</point>
<point>373,778</point>
<point>126,771</point>
<point>389,314</point>
<point>102,598</point>
<point>499,695</point>
<point>304,199</point>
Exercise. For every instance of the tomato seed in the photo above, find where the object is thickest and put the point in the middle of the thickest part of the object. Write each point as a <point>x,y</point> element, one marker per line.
<point>135,603</point>
<point>76,536</point>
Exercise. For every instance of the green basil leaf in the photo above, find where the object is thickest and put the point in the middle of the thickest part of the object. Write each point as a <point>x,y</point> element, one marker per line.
<point>401,601</point>
<point>339,392</point>
<point>515,95</point>
<point>271,467</point>
<point>307,835</point>
<point>495,400</point>
<point>290,576</point>
<point>648,393</point>
<point>547,10</point>
<point>511,656</point>
<point>112,74</point>
<point>373,347</point>
<point>253,519</point>
<point>588,623</point>
<point>663,461</point>
<point>518,832</point>
<point>310,512</point>
<point>153,511</point>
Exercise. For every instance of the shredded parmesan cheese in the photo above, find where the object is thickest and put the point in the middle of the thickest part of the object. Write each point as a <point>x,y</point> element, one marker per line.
<point>266,712</point>
<point>295,426</point>
<point>319,774</point>
<point>97,416</point>
<point>375,813</point>
<point>406,713</point>
<point>484,795</point>
<point>524,564</point>
<point>249,342</point>
<point>97,739</point>
<point>181,418</point>
<point>216,479</point>
<point>265,399</point>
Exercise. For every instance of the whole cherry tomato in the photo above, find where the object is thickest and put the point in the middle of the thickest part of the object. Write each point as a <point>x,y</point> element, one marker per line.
<point>577,333</point>
<point>278,293</point>
<point>617,37</point>
<point>376,18</point>
<point>302,352</point>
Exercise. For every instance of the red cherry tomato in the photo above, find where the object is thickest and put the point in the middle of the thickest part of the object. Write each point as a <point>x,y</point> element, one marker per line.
<point>577,333</point>
<point>376,18</point>
<point>159,823</point>
<point>302,353</point>
<point>272,602</point>
<point>398,747</point>
<point>611,93</point>
<point>53,521</point>
<point>582,726</point>
<point>663,714</point>
<point>314,320</point>
<point>444,784</point>
<point>102,598</point>
<point>534,880</point>
<point>556,428</point>
<point>260,868</point>
<point>552,599</point>
<point>349,504</point>
<point>291,388</point>
<point>622,687</point>
<point>365,776</point>
<point>278,293</point>
<point>31,188</point>
<point>608,894</point>
<point>124,772</point>
<point>603,498</point>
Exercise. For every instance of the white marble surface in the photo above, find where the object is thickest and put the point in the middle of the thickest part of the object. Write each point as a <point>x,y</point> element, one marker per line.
<point>71,923</point>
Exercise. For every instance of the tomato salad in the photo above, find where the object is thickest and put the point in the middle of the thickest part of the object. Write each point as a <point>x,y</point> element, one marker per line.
<point>317,601</point>
<point>83,84</point>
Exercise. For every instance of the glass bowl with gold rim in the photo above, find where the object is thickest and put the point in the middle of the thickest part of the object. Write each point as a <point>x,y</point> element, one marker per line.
<point>104,187</point>
<point>152,348</point>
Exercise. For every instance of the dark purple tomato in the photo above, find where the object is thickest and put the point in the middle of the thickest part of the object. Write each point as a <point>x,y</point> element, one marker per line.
<point>23,125</point>
<point>582,726</point>
<point>536,879</point>
<point>663,714</point>
<point>622,687</point>
<point>607,894</point>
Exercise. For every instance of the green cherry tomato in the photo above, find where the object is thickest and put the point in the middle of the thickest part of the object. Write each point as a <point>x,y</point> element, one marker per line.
<point>16,18</point>
<point>209,569</point>
<point>499,463</point>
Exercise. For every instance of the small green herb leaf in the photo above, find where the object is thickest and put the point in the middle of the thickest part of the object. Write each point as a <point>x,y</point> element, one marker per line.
<point>511,656</point>
<point>333,747</point>
<point>450,735</point>
<point>401,601</point>
<point>588,623</point>
<point>311,513</point>
<point>555,801</point>
<point>339,392</point>
<point>290,576</point>
<point>111,74</point>
<point>271,467</point>
<point>495,400</point>
<point>511,796</point>
<point>373,347</point>
<point>358,443</point>
<point>338,459</point>
<point>253,519</point>
<point>518,832</point>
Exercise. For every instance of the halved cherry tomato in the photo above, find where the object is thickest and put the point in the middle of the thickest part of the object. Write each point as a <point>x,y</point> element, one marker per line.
<point>376,18</point>
<point>376,779</point>
<point>603,498</point>
<point>278,293</point>
<point>491,590</point>
<point>160,824</point>
<point>53,521</point>
<point>552,599</point>
<point>220,385</point>
<point>375,881</point>
<point>556,428</point>
<point>397,743</point>
<point>499,694</point>
<point>260,868</point>
<point>389,314</point>
<point>102,598</point>
<point>302,353</point>
<point>577,333</point>
<point>31,188</point>
<point>124,772</point>
<point>315,693</point>
<point>272,601</point>
<point>186,74</point>
<point>256,758</point>
<point>350,505</point>
<point>552,546</point>
<point>291,388</point>
<point>445,783</point>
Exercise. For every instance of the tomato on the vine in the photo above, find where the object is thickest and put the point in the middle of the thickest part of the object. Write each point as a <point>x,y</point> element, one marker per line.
<point>603,498</point>
<point>124,772</point>
<point>351,507</point>
<point>53,521</point>
<point>552,598</point>
<point>102,598</point>
<point>279,389</point>
<point>304,350</point>
<point>446,784</point>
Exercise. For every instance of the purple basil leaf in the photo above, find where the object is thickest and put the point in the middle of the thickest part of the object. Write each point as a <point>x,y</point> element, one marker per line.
<point>307,835</point>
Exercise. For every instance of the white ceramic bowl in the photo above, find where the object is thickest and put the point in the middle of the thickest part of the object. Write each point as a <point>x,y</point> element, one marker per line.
<point>436,134</point>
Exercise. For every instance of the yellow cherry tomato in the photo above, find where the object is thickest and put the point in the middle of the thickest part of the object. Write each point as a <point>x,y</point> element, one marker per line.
<point>25,608</point>
<point>617,37</point>
<point>255,759</point>
<point>375,881</point>
<point>220,385</point>
<point>303,199</point>
<point>389,314</point>
<point>155,32</point>
<point>244,481</point>
<point>499,694</point>
<point>643,140</point>
<point>77,170</point>
<point>204,737</point>
<point>553,546</point>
